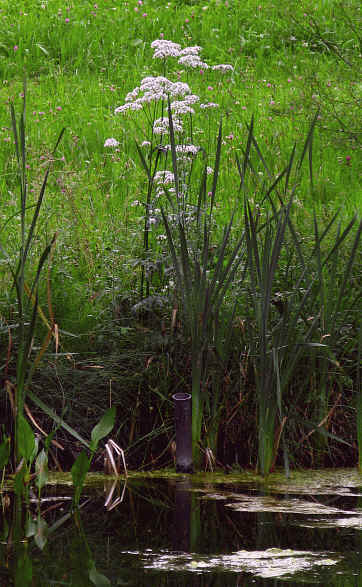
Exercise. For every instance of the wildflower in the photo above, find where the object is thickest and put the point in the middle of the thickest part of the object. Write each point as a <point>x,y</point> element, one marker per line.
<point>195,50</point>
<point>111,143</point>
<point>181,107</point>
<point>132,95</point>
<point>164,176</point>
<point>210,88</point>
<point>192,61</point>
<point>146,144</point>
<point>128,106</point>
<point>136,203</point>
<point>230,137</point>
<point>209,170</point>
<point>189,149</point>
<point>191,99</point>
<point>348,159</point>
<point>161,125</point>
<point>164,48</point>
<point>67,20</point>
<point>223,67</point>
<point>179,89</point>
<point>162,84</point>
<point>58,108</point>
<point>16,47</point>
<point>209,105</point>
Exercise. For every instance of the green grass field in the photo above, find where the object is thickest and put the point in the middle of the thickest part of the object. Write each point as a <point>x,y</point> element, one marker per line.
<point>294,66</point>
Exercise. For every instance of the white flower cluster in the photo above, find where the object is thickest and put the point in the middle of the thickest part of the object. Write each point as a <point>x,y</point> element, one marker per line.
<point>189,56</point>
<point>189,149</point>
<point>181,107</point>
<point>111,143</point>
<point>193,61</point>
<point>209,105</point>
<point>223,67</point>
<point>164,48</point>
<point>162,125</point>
<point>165,177</point>
<point>132,95</point>
<point>162,85</point>
<point>128,106</point>
<point>195,50</point>
<point>153,90</point>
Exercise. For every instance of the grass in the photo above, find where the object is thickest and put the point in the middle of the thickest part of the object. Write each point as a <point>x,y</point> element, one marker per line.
<point>292,65</point>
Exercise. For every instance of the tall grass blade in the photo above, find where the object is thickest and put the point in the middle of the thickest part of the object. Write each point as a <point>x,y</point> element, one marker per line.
<point>216,167</point>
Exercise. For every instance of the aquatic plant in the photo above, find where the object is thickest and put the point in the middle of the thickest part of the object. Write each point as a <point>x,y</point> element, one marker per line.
<point>26,276</point>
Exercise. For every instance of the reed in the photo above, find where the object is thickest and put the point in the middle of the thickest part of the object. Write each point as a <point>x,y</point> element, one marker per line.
<point>26,276</point>
<point>204,269</point>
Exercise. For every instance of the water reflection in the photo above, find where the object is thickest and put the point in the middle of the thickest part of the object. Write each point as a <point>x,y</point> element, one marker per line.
<point>177,532</point>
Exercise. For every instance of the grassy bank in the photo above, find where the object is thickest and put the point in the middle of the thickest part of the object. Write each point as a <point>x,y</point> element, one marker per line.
<point>145,293</point>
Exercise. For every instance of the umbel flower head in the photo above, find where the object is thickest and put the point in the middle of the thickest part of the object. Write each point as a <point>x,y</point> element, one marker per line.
<point>164,48</point>
<point>153,89</point>
<point>111,143</point>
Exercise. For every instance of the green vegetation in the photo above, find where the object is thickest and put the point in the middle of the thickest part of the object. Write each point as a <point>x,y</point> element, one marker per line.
<point>200,231</point>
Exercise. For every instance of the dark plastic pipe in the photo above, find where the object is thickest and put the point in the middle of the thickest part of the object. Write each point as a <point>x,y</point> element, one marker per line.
<point>183,423</point>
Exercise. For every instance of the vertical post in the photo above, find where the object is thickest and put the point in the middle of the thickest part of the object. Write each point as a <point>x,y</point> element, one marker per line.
<point>183,426</point>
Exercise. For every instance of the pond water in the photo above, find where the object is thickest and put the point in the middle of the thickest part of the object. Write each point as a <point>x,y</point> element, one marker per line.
<point>204,530</point>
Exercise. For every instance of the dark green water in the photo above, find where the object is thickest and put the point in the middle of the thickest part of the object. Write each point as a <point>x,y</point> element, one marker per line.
<point>204,531</point>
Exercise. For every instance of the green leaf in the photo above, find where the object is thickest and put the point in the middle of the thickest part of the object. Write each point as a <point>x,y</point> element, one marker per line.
<point>79,472</point>
<point>97,578</point>
<point>47,410</point>
<point>41,534</point>
<point>41,469</point>
<point>80,469</point>
<point>103,428</point>
<point>26,439</point>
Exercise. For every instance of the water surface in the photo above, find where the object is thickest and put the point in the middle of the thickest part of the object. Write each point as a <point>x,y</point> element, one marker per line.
<point>205,530</point>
